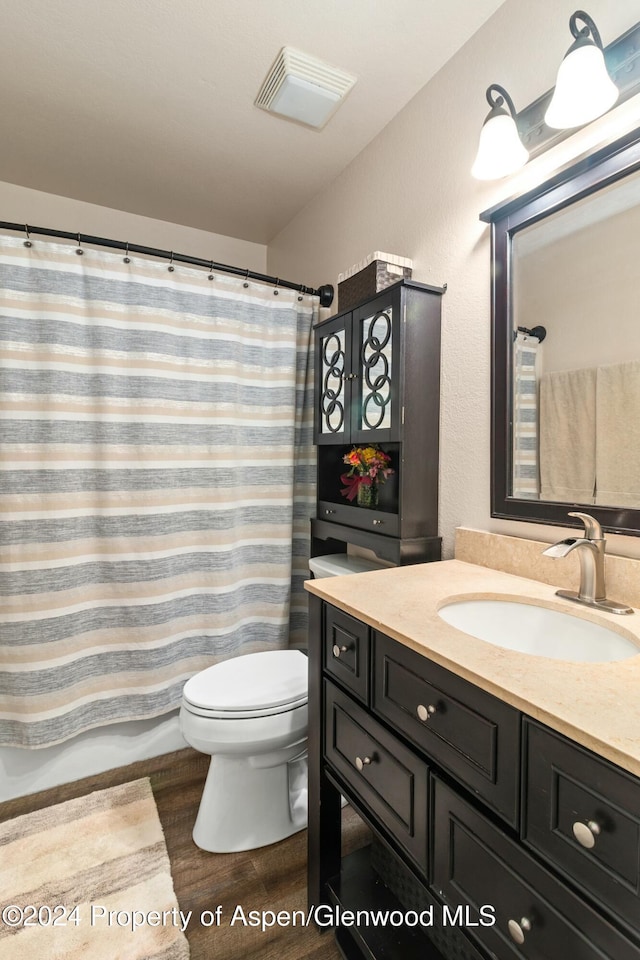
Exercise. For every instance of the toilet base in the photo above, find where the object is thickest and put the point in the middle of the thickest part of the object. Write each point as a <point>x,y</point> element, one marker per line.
<point>246,804</point>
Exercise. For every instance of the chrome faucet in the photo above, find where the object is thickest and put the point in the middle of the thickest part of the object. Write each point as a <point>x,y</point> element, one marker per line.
<point>591,549</point>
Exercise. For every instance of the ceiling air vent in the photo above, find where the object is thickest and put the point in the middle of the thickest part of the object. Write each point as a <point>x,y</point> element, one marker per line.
<point>302,88</point>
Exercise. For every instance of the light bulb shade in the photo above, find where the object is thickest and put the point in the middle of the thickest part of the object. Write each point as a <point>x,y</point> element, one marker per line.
<point>500,151</point>
<point>584,90</point>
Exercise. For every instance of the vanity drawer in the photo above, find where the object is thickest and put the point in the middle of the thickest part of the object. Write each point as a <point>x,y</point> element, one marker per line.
<point>476,864</point>
<point>568,788</point>
<point>346,650</point>
<point>389,779</point>
<point>464,729</point>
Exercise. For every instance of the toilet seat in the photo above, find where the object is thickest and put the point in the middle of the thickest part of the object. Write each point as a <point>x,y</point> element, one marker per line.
<point>252,685</point>
<point>241,714</point>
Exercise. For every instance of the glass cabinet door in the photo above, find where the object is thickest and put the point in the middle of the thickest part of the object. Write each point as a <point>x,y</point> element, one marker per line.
<point>375,416</point>
<point>333,381</point>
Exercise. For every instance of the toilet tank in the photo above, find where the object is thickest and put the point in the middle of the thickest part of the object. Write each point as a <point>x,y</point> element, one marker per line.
<point>340,564</point>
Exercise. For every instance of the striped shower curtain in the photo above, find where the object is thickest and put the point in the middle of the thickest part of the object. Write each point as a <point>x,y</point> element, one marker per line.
<point>156,483</point>
<point>526,472</point>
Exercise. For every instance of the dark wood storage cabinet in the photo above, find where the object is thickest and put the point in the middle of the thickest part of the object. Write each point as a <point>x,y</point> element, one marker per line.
<point>377,376</point>
<point>521,842</point>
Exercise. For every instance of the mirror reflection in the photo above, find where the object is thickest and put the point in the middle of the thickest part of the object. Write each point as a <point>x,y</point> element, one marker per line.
<point>575,352</point>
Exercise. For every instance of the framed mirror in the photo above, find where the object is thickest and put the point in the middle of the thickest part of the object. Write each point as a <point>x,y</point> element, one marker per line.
<point>566,345</point>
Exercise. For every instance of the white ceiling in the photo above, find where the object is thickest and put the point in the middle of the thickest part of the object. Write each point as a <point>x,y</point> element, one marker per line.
<point>148,105</point>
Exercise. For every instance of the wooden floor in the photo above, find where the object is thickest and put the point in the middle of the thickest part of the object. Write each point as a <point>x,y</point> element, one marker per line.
<point>271,878</point>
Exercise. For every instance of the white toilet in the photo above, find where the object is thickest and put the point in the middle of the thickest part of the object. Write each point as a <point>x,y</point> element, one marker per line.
<point>250,714</point>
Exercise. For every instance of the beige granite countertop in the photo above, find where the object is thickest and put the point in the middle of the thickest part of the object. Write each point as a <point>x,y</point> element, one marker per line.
<point>595,704</point>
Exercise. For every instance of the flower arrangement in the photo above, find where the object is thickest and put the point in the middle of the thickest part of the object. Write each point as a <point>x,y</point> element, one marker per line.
<point>369,467</point>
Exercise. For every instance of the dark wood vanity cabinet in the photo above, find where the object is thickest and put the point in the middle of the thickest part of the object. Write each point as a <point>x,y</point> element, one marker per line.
<point>479,813</point>
<point>377,382</point>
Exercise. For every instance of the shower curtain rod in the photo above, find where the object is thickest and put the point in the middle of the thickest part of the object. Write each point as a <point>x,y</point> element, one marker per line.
<point>538,332</point>
<point>325,292</point>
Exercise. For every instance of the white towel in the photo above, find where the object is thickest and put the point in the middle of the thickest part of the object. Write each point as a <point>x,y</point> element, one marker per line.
<point>568,436</point>
<point>618,433</point>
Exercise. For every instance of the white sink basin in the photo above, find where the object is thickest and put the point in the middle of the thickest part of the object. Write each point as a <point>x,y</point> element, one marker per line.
<point>537,630</point>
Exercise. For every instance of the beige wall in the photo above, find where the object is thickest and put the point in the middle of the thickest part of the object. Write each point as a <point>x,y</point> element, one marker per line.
<point>410,193</point>
<point>584,288</point>
<point>22,205</point>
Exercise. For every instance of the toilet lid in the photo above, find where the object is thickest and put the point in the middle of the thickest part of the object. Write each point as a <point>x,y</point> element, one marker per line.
<point>253,682</point>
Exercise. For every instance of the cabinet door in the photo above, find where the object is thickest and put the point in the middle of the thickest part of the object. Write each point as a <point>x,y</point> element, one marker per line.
<point>583,814</point>
<point>536,916</point>
<point>386,777</point>
<point>333,381</point>
<point>376,414</point>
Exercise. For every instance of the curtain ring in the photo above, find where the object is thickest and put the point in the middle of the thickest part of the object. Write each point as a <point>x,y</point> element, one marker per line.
<point>27,242</point>
<point>126,258</point>
<point>79,249</point>
<point>211,276</point>
<point>246,277</point>
<point>171,267</point>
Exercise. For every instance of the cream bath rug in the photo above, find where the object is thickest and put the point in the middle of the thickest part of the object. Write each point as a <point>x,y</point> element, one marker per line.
<point>89,878</point>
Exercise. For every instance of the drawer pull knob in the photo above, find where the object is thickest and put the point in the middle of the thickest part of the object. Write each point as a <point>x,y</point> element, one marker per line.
<point>586,833</point>
<point>336,650</point>
<point>425,713</point>
<point>329,511</point>
<point>362,762</point>
<point>378,523</point>
<point>518,930</point>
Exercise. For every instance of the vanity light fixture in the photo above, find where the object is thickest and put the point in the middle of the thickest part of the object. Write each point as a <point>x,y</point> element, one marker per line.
<point>584,90</point>
<point>500,151</point>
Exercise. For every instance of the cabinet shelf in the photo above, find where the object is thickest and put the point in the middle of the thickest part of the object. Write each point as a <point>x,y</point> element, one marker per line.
<point>358,887</point>
<point>331,467</point>
<point>330,536</point>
